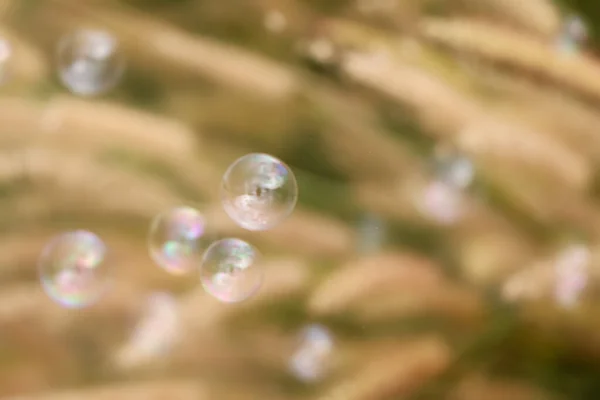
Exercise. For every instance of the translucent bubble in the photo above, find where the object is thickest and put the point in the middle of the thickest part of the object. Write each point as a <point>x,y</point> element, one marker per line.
<point>571,270</point>
<point>90,62</point>
<point>259,191</point>
<point>372,232</point>
<point>454,169</point>
<point>442,203</point>
<point>73,269</point>
<point>231,270</point>
<point>312,359</point>
<point>275,21</point>
<point>443,199</point>
<point>572,36</point>
<point>177,239</point>
<point>6,56</point>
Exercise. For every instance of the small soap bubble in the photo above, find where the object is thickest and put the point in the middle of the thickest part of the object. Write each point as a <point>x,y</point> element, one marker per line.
<point>73,269</point>
<point>441,202</point>
<point>90,62</point>
<point>275,21</point>
<point>572,36</point>
<point>177,239</point>
<point>259,191</point>
<point>372,231</point>
<point>231,270</point>
<point>454,169</point>
<point>571,272</point>
<point>6,57</point>
<point>443,198</point>
<point>312,359</point>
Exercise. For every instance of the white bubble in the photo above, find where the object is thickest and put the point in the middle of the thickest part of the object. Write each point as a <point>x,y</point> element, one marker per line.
<point>258,191</point>
<point>441,202</point>
<point>231,270</point>
<point>571,272</point>
<point>312,359</point>
<point>90,62</point>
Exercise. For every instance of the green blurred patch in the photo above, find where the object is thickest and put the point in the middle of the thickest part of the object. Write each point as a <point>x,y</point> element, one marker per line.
<point>150,168</point>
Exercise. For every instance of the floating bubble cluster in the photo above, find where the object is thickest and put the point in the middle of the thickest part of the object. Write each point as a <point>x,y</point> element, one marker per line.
<point>312,359</point>
<point>231,270</point>
<point>73,269</point>
<point>177,239</point>
<point>259,191</point>
<point>90,62</point>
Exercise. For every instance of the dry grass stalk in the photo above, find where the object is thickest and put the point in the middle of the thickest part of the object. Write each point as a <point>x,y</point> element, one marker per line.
<point>439,108</point>
<point>478,387</point>
<point>447,301</point>
<point>491,138</point>
<point>538,16</point>
<point>360,279</point>
<point>398,374</point>
<point>303,232</point>
<point>504,46</point>
<point>175,390</point>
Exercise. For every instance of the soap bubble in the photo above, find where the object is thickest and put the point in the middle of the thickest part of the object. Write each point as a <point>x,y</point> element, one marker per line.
<point>573,35</point>
<point>177,239</point>
<point>6,57</point>
<point>231,270</point>
<point>275,21</point>
<point>571,269</point>
<point>372,232</point>
<point>73,269</point>
<point>259,191</point>
<point>90,62</point>
<point>313,357</point>
<point>454,169</point>
<point>443,199</point>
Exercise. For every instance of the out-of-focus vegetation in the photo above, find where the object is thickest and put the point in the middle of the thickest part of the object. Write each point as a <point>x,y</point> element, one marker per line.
<point>357,97</point>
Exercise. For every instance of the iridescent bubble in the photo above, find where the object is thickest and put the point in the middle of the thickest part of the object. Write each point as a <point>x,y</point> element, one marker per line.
<point>231,270</point>
<point>90,62</point>
<point>259,191</point>
<point>177,239</point>
<point>312,359</point>
<point>73,269</point>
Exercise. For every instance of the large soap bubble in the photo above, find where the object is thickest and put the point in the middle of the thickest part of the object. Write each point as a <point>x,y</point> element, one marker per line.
<point>259,191</point>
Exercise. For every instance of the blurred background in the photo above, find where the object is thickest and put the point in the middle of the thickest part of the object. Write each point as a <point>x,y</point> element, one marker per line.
<point>445,244</point>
